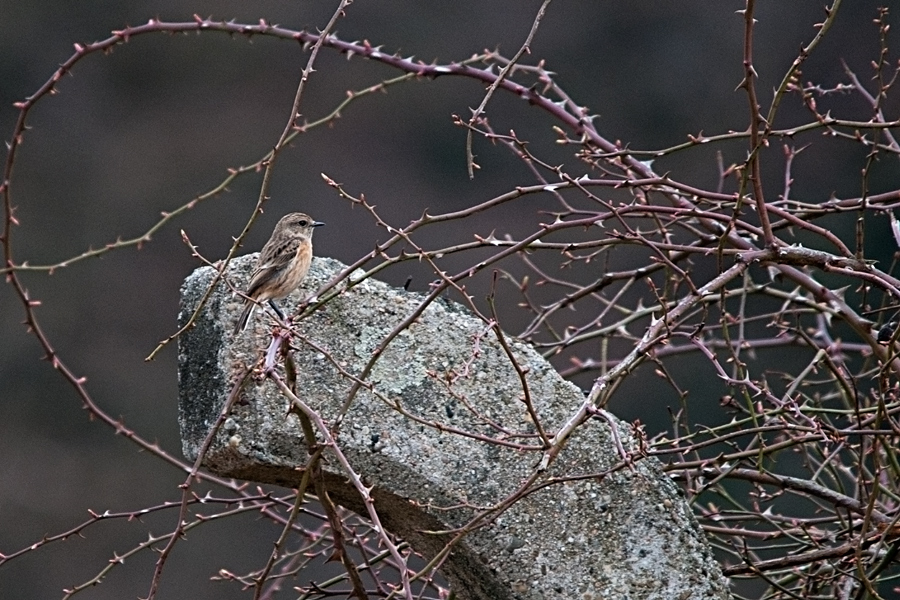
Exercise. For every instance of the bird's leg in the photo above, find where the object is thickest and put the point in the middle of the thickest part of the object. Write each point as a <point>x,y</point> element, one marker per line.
<point>277,310</point>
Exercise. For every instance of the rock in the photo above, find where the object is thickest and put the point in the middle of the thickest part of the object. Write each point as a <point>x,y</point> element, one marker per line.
<point>592,533</point>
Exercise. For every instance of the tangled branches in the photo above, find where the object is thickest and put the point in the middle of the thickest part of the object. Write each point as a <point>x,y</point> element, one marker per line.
<point>761,313</point>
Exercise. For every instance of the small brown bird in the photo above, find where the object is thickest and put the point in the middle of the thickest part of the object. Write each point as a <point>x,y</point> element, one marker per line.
<point>282,264</point>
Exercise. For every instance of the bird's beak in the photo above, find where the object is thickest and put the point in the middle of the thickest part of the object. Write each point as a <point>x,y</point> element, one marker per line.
<point>317,224</point>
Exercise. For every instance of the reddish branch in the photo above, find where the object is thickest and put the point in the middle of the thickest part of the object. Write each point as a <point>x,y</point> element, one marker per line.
<point>713,274</point>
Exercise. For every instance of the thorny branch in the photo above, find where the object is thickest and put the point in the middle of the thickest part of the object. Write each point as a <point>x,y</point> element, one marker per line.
<point>713,276</point>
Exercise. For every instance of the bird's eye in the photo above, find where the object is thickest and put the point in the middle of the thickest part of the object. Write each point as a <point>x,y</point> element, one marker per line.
<point>303,222</point>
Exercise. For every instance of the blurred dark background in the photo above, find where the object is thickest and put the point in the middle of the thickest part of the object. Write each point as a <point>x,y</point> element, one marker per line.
<point>160,120</point>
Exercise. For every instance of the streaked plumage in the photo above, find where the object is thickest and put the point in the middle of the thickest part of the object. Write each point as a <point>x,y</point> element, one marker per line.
<point>282,264</point>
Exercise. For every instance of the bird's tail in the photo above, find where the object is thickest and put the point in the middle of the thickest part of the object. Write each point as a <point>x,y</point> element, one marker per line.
<point>245,318</point>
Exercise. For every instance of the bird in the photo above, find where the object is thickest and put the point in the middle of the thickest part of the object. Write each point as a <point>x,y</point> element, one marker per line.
<point>282,265</point>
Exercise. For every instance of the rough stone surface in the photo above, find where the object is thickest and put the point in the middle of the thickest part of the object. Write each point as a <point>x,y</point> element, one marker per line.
<point>628,535</point>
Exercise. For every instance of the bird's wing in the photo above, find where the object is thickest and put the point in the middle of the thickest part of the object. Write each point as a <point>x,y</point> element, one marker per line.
<point>273,258</point>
